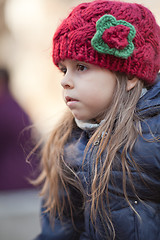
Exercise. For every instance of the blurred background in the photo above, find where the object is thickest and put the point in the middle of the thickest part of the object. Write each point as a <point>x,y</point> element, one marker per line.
<point>30,93</point>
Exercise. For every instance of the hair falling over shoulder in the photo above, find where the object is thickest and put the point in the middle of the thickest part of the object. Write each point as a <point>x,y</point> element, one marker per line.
<point>52,176</point>
<point>120,130</point>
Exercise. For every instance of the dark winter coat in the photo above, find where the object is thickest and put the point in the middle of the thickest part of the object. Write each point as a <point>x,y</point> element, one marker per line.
<point>127,224</point>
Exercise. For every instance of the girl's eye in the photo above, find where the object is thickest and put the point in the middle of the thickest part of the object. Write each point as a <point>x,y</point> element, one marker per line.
<point>63,70</point>
<point>81,67</point>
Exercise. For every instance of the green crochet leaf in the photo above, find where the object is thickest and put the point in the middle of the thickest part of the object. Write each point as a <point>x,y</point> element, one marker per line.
<point>114,37</point>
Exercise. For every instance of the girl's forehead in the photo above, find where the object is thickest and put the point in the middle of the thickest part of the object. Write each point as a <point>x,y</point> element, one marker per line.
<point>67,60</point>
<point>71,62</point>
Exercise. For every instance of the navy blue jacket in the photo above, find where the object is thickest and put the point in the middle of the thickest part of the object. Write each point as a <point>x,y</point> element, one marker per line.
<point>127,224</point>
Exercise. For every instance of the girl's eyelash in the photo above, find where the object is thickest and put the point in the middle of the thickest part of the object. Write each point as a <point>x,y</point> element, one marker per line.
<point>81,67</point>
<point>63,70</point>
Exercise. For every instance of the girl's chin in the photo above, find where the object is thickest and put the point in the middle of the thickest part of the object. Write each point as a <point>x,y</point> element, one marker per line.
<point>83,118</point>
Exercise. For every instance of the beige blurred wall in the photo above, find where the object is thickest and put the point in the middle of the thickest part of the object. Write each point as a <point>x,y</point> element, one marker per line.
<point>26,47</point>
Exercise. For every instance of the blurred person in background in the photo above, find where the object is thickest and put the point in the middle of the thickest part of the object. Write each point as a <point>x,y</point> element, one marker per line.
<point>15,140</point>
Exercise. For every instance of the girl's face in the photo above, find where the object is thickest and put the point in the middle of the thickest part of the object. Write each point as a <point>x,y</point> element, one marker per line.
<point>87,89</point>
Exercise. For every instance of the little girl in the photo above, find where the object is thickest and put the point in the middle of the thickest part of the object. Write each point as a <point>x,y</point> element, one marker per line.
<point>101,165</point>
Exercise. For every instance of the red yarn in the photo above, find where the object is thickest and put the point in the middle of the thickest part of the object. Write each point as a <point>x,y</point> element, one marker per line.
<point>72,39</point>
<point>116,37</point>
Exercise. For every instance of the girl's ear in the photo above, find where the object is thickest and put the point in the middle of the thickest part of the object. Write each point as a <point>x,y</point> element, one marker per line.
<point>131,83</point>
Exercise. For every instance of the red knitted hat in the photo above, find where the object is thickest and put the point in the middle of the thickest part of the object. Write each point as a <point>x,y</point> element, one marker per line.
<point>119,36</point>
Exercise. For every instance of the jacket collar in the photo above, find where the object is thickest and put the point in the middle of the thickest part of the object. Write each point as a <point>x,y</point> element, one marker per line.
<point>87,126</point>
<point>149,103</point>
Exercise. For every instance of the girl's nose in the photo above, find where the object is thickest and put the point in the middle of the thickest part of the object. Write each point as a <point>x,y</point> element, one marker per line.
<point>67,82</point>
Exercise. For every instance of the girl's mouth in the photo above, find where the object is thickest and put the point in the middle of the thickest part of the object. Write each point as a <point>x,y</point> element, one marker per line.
<point>69,99</point>
<point>71,102</point>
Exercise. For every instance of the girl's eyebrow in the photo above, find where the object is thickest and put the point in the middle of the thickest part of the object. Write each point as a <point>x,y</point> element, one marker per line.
<point>61,65</point>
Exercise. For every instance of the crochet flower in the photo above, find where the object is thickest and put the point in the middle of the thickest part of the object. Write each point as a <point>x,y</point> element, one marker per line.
<point>114,37</point>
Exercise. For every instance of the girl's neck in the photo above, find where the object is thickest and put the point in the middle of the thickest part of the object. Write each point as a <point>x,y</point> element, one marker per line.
<point>88,125</point>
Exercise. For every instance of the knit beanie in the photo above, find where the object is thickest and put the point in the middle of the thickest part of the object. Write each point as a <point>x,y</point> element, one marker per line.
<point>119,36</point>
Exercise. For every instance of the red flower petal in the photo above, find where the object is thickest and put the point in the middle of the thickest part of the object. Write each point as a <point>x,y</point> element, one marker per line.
<point>116,37</point>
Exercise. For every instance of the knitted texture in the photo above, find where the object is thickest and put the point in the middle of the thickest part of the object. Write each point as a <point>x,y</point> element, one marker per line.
<point>119,36</point>
<point>114,37</point>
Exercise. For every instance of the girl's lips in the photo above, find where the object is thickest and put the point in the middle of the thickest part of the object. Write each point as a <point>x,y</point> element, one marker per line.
<point>71,102</point>
<point>69,99</point>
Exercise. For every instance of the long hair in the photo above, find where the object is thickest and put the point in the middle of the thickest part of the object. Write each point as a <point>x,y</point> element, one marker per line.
<point>119,130</point>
